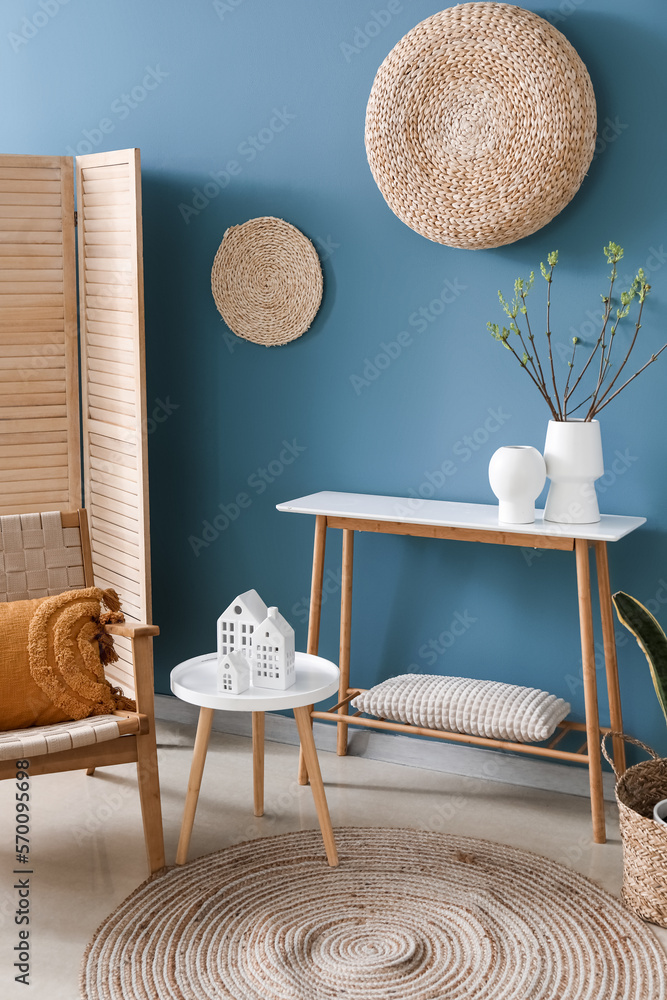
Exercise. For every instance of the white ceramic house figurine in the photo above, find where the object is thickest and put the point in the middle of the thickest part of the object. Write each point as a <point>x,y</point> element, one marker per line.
<point>273,652</point>
<point>238,622</point>
<point>233,672</point>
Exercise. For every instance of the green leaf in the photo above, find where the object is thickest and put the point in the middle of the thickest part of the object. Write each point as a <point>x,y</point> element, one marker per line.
<point>553,258</point>
<point>651,638</point>
<point>613,252</point>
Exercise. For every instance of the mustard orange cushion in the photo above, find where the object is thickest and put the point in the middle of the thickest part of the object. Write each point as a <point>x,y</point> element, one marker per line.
<point>52,656</point>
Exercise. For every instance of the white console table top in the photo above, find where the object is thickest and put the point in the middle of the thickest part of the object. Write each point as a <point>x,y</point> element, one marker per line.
<point>452,514</point>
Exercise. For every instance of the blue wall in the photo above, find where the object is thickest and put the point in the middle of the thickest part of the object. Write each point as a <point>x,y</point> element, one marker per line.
<point>191,84</point>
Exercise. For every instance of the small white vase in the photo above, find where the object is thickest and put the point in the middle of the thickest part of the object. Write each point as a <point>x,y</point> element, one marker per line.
<point>517,475</point>
<point>573,456</point>
<point>660,812</point>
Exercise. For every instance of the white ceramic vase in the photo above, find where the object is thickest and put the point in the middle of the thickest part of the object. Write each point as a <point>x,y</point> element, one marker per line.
<point>573,456</point>
<point>517,475</point>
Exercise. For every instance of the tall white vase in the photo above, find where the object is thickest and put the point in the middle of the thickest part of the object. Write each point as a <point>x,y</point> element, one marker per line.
<point>573,456</point>
<point>517,476</point>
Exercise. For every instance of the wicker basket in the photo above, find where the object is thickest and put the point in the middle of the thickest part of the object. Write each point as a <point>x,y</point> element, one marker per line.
<point>644,840</point>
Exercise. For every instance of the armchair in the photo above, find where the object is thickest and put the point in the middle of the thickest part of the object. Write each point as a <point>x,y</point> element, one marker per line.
<point>45,554</point>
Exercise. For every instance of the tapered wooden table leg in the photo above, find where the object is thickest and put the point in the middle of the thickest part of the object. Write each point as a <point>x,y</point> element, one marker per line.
<point>302,716</point>
<point>315,612</point>
<point>611,664</point>
<point>303,770</point>
<point>302,776</point>
<point>590,689</point>
<point>194,782</point>
<point>258,762</point>
<point>345,633</point>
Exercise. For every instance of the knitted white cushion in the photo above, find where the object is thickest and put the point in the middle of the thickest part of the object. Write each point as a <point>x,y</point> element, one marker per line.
<point>461,705</point>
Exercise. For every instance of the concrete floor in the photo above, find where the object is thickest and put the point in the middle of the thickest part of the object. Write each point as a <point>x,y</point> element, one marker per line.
<point>88,853</point>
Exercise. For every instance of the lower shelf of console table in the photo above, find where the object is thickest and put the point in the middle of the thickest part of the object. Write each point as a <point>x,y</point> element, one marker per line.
<point>566,728</point>
<point>439,519</point>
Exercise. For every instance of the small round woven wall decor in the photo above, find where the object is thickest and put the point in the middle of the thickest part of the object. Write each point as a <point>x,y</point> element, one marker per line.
<point>267,281</point>
<point>480,125</point>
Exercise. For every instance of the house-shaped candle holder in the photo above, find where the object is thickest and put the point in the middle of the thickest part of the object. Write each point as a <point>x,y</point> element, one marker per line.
<point>233,672</point>
<point>238,622</point>
<point>273,652</point>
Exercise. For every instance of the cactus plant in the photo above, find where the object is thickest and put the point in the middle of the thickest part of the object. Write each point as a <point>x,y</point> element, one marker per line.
<point>650,637</point>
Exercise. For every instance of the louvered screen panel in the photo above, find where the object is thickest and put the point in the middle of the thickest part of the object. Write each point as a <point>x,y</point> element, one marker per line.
<point>40,465</point>
<point>113,381</point>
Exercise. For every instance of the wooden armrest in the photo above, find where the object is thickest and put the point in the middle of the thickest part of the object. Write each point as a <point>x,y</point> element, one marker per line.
<point>142,661</point>
<point>132,631</point>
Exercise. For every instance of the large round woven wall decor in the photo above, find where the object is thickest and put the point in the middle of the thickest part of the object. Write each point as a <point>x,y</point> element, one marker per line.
<point>481,125</point>
<point>267,281</point>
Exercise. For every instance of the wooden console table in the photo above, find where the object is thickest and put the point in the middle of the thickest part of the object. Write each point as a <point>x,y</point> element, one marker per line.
<point>474,523</point>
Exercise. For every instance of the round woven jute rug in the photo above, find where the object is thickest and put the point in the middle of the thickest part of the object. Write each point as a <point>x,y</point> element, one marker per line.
<point>409,915</point>
<point>481,125</point>
<point>267,281</point>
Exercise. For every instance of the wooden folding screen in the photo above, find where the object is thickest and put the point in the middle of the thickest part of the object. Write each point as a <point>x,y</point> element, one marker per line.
<point>39,384</point>
<point>113,377</point>
<point>41,440</point>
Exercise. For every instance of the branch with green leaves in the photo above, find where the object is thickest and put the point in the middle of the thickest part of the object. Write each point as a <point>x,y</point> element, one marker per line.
<point>601,392</point>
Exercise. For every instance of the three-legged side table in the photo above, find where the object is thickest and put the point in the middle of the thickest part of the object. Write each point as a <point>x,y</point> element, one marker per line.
<point>475,523</point>
<point>195,681</point>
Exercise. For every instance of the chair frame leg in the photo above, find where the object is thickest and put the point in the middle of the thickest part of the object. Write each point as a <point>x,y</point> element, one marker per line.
<point>149,794</point>
<point>147,763</point>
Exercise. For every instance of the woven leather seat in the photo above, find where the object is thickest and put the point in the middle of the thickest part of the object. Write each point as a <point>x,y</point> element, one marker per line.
<point>37,740</point>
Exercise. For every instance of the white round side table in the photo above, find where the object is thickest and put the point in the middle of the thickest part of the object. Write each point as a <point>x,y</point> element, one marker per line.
<point>195,681</point>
